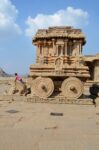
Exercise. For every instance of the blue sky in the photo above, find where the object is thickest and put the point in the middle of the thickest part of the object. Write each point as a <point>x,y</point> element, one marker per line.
<point>20,19</point>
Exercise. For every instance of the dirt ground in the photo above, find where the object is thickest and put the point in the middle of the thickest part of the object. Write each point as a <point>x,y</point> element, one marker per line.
<point>30,126</point>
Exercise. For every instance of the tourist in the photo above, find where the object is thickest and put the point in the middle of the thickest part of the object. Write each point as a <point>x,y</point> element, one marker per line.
<point>18,78</point>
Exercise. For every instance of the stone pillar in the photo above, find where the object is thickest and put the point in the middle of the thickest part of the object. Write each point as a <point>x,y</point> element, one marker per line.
<point>96,71</point>
<point>37,50</point>
<point>80,48</point>
<point>44,48</point>
<point>62,48</point>
<point>54,47</point>
<point>37,53</point>
<point>66,41</point>
<point>57,50</point>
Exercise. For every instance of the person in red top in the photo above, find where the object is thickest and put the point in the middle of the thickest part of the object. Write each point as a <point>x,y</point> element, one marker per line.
<point>25,90</point>
<point>18,78</point>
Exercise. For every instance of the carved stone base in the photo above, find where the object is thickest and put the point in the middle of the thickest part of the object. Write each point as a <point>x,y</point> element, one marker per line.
<point>60,100</point>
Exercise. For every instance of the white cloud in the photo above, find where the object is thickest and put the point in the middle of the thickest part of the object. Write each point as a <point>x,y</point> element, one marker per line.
<point>8,14</point>
<point>69,16</point>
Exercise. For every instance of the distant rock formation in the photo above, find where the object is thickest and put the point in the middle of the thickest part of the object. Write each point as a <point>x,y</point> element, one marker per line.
<point>3,73</point>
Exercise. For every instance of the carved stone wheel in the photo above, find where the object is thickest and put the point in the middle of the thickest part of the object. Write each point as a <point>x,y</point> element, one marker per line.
<point>72,88</point>
<point>43,87</point>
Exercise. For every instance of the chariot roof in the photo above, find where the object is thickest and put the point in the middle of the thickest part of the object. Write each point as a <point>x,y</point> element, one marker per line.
<point>59,32</point>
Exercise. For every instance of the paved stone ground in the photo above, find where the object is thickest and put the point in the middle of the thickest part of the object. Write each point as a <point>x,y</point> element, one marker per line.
<point>29,126</point>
